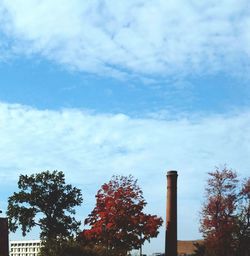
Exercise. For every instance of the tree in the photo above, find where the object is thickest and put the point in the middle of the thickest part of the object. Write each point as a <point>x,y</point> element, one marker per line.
<point>45,200</point>
<point>72,247</point>
<point>224,218</point>
<point>199,249</point>
<point>243,220</point>
<point>118,221</point>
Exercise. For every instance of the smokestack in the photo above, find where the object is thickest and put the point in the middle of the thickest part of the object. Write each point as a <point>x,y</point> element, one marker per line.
<point>4,237</point>
<point>171,218</point>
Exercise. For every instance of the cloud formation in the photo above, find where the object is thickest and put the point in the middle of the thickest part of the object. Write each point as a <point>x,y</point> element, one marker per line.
<point>89,148</point>
<point>150,38</point>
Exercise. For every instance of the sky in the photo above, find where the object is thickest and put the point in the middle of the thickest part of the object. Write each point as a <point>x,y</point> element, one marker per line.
<point>95,88</point>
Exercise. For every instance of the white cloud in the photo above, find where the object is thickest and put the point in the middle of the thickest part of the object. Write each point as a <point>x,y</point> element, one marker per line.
<point>89,148</point>
<point>143,37</point>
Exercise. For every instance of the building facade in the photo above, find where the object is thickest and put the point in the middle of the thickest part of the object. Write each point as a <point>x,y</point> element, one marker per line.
<point>4,237</point>
<point>25,248</point>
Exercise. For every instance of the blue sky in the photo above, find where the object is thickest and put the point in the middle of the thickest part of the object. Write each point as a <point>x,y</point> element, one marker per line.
<point>45,85</point>
<point>97,88</point>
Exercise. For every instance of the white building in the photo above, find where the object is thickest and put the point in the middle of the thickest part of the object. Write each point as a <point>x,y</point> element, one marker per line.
<point>25,248</point>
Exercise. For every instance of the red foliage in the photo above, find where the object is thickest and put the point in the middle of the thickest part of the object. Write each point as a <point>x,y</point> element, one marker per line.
<point>225,214</point>
<point>243,231</point>
<point>117,221</point>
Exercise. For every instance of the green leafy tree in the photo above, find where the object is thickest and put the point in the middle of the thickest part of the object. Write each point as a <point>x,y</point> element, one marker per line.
<point>72,247</point>
<point>45,200</point>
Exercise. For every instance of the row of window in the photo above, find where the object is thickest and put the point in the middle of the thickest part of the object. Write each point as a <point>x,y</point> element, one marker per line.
<point>23,254</point>
<point>24,244</point>
<point>25,249</point>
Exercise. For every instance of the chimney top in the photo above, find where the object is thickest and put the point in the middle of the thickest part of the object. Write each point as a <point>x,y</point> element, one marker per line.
<point>172,172</point>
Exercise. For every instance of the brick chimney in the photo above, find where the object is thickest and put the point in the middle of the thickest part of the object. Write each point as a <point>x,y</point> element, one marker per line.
<point>171,215</point>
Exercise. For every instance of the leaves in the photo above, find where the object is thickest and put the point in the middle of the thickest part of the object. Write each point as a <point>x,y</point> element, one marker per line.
<point>44,196</point>
<point>225,214</point>
<point>117,220</point>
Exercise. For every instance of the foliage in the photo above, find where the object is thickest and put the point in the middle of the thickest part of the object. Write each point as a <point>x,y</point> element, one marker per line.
<point>243,220</point>
<point>199,249</point>
<point>225,214</point>
<point>44,200</point>
<point>118,221</point>
<point>70,247</point>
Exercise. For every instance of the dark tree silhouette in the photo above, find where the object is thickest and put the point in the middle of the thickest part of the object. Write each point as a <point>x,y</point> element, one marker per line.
<point>44,200</point>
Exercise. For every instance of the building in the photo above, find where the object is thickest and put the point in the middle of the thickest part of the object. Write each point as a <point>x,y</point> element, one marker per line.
<point>4,237</point>
<point>25,248</point>
<point>186,248</point>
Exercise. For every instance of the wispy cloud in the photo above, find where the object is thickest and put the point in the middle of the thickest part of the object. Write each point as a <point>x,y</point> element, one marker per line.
<point>151,38</point>
<point>92,147</point>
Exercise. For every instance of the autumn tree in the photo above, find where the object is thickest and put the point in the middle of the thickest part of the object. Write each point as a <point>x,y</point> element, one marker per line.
<point>44,200</point>
<point>224,214</point>
<point>243,220</point>
<point>118,222</point>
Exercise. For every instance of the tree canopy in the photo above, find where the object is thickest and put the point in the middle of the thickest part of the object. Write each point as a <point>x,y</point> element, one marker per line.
<point>225,217</point>
<point>118,221</point>
<point>44,200</point>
